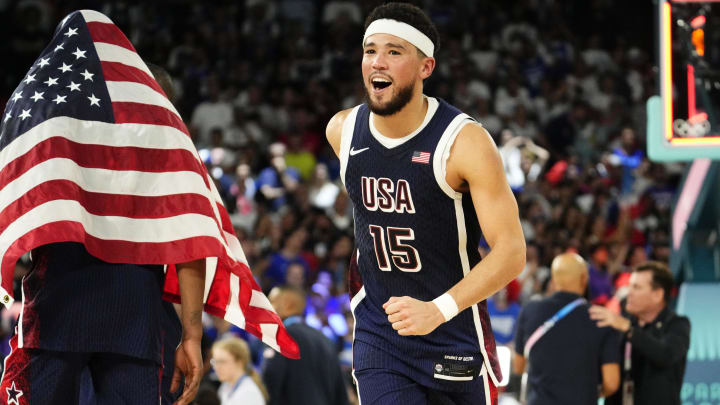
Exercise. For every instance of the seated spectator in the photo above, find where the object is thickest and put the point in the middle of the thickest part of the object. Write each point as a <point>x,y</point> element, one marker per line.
<point>296,275</point>
<point>323,192</point>
<point>243,191</point>
<point>324,311</point>
<point>299,157</point>
<point>234,369</point>
<point>341,211</point>
<point>278,180</point>
<point>482,114</point>
<point>503,316</point>
<point>289,254</point>
<point>244,131</point>
<point>510,96</point>
<point>214,112</point>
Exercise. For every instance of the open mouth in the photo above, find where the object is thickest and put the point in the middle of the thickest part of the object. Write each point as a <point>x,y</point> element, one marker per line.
<point>380,84</point>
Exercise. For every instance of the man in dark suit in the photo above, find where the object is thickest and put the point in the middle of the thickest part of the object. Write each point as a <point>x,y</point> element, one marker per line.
<point>657,337</point>
<point>316,377</point>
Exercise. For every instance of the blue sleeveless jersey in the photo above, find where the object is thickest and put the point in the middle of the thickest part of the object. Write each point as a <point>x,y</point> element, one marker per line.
<point>74,302</point>
<point>415,236</point>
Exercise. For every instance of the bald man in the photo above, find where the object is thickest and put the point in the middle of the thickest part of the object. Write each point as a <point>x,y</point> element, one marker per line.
<point>316,377</point>
<point>572,361</point>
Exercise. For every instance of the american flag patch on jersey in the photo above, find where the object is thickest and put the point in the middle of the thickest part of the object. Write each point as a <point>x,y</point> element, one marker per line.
<point>420,157</point>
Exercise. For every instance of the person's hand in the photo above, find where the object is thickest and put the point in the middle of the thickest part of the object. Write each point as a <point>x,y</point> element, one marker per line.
<point>188,363</point>
<point>409,316</point>
<point>605,317</point>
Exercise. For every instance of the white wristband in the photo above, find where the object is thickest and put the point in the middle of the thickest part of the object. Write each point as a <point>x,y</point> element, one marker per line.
<point>447,306</point>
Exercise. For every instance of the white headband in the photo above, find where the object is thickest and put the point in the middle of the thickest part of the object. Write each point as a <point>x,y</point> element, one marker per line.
<point>401,30</point>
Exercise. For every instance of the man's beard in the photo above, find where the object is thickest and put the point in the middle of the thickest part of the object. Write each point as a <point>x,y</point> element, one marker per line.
<point>397,103</point>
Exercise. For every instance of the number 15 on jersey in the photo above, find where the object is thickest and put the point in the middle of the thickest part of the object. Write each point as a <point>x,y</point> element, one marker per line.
<point>404,256</point>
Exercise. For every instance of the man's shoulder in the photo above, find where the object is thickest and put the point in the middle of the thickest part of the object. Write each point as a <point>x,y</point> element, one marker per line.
<point>333,131</point>
<point>548,306</point>
<point>531,305</point>
<point>538,303</point>
<point>531,309</point>
<point>302,331</point>
<point>335,124</point>
<point>677,320</point>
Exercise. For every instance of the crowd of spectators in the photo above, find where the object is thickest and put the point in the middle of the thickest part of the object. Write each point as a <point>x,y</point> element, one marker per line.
<point>560,85</point>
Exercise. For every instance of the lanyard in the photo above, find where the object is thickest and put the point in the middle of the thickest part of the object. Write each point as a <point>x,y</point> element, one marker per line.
<point>547,325</point>
<point>628,386</point>
<point>628,358</point>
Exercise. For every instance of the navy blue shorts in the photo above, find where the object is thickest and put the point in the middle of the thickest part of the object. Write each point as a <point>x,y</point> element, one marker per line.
<point>386,387</point>
<point>44,377</point>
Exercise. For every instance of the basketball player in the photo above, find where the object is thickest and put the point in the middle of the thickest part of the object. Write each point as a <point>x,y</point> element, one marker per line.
<point>424,179</point>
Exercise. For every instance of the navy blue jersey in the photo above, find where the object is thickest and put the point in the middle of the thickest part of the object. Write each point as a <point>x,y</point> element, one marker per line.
<point>74,302</point>
<point>415,236</point>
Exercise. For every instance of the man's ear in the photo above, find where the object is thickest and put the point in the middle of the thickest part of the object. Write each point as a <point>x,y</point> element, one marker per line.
<point>658,295</point>
<point>427,65</point>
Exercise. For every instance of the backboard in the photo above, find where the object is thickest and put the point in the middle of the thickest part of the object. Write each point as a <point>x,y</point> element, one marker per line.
<point>684,122</point>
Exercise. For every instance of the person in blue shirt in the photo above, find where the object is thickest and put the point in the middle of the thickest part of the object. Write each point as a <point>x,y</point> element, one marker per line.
<point>503,317</point>
<point>277,181</point>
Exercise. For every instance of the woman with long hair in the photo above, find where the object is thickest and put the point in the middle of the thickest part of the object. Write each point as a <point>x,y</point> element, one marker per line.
<point>241,384</point>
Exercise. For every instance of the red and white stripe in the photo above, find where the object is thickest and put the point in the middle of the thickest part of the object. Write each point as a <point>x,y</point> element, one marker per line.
<point>140,195</point>
<point>421,157</point>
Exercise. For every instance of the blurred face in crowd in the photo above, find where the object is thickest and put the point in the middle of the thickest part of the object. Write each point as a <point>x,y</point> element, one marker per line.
<point>342,247</point>
<point>638,256</point>
<point>642,297</point>
<point>297,239</point>
<point>628,138</point>
<point>295,275</point>
<point>227,367</point>
<point>391,69</point>
<point>321,172</point>
<point>243,171</point>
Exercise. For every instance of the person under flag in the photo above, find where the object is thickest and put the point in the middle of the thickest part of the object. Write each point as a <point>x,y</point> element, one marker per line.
<point>100,181</point>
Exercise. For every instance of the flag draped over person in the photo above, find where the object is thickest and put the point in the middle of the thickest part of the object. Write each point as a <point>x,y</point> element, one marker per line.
<point>92,151</point>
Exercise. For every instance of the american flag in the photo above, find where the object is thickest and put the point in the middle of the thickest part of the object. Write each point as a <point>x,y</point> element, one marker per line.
<point>420,157</point>
<point>92,151</point>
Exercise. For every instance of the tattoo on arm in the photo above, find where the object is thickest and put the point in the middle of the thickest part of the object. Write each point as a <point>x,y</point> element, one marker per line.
<point>195,318</point>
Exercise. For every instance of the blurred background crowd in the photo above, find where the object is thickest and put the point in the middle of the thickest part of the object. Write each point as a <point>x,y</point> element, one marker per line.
<point>561,86</point>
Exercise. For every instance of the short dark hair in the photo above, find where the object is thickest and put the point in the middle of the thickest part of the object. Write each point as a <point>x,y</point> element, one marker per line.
<point>662,277</point>
<point>409,14</point>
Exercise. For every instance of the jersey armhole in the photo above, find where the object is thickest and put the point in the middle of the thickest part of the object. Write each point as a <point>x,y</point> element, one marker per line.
<point>346,140</point>
<point>442,153</point>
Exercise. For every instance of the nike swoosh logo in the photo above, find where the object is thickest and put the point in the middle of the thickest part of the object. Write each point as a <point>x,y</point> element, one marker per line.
<point>354,152</point>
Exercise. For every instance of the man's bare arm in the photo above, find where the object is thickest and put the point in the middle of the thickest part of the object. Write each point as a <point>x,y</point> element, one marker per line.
<point>610,378</point>
<point>191,280</point>
<point>188,358</point>
<point>518,363</point>
<point>475,164</point>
